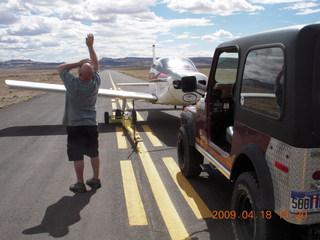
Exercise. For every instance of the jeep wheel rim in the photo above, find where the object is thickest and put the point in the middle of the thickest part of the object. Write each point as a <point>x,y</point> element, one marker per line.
<point>245,212</point>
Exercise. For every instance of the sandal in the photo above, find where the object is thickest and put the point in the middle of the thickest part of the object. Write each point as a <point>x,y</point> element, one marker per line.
<point>78,187</point>
<point>94,183</point>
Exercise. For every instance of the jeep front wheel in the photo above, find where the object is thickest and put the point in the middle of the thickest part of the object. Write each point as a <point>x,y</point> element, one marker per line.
<point>189,158</point>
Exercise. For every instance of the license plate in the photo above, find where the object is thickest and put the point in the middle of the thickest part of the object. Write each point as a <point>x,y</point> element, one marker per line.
<point>308,201</point>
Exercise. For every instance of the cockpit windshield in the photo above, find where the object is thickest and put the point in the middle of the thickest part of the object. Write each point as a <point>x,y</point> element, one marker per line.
<point>176,64</point>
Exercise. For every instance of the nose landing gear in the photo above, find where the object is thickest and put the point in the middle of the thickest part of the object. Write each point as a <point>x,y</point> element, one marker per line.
<point>127,119</point>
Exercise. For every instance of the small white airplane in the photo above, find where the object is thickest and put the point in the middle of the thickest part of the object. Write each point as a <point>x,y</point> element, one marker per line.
<point>164,83</point>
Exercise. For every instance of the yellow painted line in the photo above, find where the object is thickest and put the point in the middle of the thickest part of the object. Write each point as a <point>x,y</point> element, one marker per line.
<point>169,214</point>
<point>153,138</point>
<point>130,105</point>
<point>197,205</point>
<point>120,103</point>
<point>114,105</point>
<point>121,138</point>
<point>135,209</point>
<point>139,118</point>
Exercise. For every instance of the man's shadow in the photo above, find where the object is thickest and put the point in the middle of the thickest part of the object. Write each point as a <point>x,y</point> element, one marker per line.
<point>62,214</point>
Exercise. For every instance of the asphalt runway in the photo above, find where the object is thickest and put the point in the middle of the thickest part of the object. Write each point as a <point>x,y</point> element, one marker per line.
<point>143,195</point>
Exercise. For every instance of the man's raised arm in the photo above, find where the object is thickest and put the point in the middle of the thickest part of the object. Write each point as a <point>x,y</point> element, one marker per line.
<point>92,53</point>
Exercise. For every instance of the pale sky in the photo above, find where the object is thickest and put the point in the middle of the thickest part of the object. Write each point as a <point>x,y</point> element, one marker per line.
<point>55,31</point>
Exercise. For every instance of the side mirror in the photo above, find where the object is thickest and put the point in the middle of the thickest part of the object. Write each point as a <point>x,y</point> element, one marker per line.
<point>189,84</point>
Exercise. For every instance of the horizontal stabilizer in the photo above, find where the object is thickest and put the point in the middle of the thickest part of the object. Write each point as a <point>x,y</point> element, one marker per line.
<point>133,84</point>
<point>143,97</point>
<point>138,96</point>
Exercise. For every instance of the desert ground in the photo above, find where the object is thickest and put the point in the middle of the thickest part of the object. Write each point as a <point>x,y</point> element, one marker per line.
<point>13,96</point>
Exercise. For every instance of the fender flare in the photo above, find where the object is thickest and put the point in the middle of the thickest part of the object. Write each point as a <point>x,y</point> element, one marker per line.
<point>257,159</point>
<point>187,121</point>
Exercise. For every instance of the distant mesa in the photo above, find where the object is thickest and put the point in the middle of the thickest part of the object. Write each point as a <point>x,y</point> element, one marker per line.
<point>128,62</point>
<point>28,64</point>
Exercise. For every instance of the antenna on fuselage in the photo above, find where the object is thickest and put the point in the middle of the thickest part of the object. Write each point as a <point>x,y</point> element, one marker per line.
<point>154,52</point>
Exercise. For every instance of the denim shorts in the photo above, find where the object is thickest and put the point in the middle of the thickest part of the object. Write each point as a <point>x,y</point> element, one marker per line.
<point>82,140</point>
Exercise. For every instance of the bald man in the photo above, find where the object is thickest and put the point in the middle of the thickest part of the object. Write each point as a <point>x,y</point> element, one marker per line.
<point>80,116</point>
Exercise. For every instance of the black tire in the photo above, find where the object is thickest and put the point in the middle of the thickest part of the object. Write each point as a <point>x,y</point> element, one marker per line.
<point>189,158</point>
<point>106,118</point>
<point>118,114</point>
<point>246,199</point>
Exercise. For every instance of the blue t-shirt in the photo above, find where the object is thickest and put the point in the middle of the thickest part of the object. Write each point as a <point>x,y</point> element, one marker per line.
<point>81,98</point>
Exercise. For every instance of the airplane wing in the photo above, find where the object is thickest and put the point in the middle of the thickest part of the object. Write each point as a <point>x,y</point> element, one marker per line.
<point>117,94</point>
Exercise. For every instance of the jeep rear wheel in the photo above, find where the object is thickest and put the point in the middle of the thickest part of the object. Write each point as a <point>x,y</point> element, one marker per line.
<point>252,221</point>
<point>189,158</point>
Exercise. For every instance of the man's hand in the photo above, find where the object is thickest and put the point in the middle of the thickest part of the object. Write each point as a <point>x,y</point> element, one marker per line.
<point>84,61</point>
<point>92,53</point>
<point>89,40</point>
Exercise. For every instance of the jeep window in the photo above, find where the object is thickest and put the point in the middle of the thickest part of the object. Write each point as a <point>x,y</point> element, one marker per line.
<point>226,71</point>
<point>262,83</point>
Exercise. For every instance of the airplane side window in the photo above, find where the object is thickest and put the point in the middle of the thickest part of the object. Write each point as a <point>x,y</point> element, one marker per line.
<point>263,81</point>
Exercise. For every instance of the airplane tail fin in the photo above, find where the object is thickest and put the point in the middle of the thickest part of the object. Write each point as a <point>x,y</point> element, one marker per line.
<point>154,52</point>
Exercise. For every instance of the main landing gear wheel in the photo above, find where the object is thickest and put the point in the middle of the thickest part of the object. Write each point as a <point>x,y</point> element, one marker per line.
<point>119,114</point>
<point>189,158</point>
<point>106,118</point>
